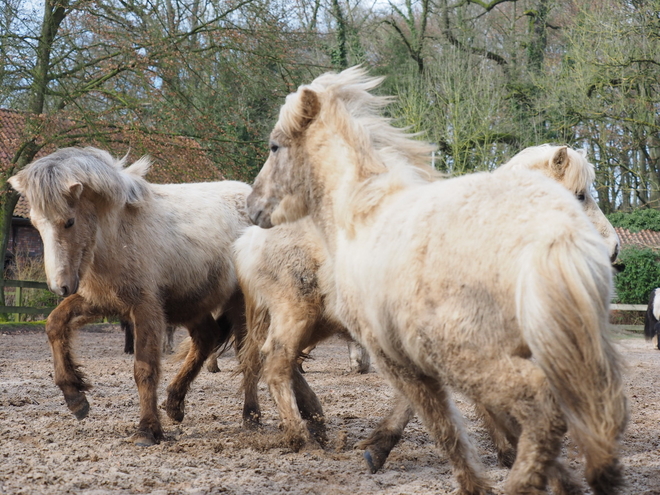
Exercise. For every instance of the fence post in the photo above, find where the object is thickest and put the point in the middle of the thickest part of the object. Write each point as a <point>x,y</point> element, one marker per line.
<point>18,302</point>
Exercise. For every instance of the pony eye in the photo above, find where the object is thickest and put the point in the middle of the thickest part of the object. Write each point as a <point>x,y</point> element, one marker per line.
<point>274,148</point>
<point>69,223</point>
<point>580,197</point>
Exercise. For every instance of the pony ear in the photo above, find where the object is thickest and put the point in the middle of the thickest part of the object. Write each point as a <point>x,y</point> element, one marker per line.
<point>560,161</point>
<point>310,106</point>
<point>17,183</point>
<point>75,190</point>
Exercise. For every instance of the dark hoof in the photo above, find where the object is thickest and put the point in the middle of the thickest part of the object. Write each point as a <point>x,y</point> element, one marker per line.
<point>296,442</point>
<point>370,462</point>
<point>78,405</point>
<point>212,366</point>
<point>144,439</point>
<point>318,431</point>
<point>251,417</point>
<point>374,460</point>
<point>251,422</point>
<point>175,410</point>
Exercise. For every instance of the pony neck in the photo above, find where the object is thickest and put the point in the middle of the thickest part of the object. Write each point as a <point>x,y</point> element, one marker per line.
<point>352,188</point>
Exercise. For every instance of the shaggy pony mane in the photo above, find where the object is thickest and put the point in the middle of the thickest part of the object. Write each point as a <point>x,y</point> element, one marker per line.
<point>577,177</point>
<point>47,182</point>
<point>350,91</point>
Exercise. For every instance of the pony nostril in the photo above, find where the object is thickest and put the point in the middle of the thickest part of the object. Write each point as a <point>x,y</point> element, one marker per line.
<point>64,291</point>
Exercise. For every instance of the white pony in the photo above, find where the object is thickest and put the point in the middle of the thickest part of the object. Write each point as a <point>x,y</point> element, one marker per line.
<point>568,167</point>
<point>152,254</point>
<point>496,285</point>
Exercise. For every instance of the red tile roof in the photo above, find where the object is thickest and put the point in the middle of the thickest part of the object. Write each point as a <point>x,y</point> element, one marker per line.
<point>643,238</point>
<point>175,159</point>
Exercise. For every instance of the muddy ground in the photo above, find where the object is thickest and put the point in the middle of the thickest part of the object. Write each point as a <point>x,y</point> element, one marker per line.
<point>45,450</point>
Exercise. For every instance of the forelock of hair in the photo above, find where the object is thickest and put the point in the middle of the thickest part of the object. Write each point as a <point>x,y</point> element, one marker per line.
<point>48,180</point>
<point>580,173</point>
<point>351,89</point>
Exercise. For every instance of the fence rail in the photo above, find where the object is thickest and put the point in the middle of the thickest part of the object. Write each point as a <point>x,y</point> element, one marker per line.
<point>19,310</point>
<point>628,307</point>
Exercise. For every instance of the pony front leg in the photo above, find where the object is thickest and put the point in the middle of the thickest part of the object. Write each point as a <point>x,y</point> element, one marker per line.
<point>309,406</point>
<point>69,315</point>
<point>149,326</point>
<point>278,369</point>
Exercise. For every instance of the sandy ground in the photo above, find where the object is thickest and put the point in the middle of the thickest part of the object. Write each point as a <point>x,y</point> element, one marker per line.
<point>45,450</point>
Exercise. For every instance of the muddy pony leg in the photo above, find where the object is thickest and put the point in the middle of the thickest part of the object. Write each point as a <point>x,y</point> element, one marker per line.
<point>250,366</point>
<point>168,340</point>
<point>149,326</point>
<point>379,444</point>
<point>69,315</point>
<point>502,437</point>
<point>359,357</point>
<point>310,407</point>
<point>129,341</point>
<point>433,402</point>
<point>278,370</point>
<point>204,337</point>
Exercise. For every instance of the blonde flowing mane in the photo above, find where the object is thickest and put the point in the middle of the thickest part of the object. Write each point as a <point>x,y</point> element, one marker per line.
<point>350,90</point>
<point>48,181</point>
<point>578,176</point>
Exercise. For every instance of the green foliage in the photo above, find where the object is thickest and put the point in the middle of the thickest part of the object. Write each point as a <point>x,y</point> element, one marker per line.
<point>645,219</point>
<point>641,275</point>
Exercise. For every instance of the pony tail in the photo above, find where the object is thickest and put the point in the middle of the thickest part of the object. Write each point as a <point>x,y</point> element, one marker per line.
<point>563,309</point>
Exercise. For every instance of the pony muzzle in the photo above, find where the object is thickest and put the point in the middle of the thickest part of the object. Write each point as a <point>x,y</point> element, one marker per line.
<point>64,289</point>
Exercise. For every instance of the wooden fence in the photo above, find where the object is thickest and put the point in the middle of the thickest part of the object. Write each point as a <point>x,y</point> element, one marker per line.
<point>17,309</point>
<point>629,307</point>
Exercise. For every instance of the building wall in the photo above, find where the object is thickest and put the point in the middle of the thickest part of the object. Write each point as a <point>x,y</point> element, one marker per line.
<point>25,241</point>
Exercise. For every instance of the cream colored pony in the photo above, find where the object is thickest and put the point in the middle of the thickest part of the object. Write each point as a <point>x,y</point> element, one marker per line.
<point>496,285</point>
<point>568,167</point>
<point>116,245</point>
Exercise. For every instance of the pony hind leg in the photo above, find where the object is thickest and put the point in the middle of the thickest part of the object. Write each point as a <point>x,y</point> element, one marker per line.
<point>69,315</point>
<point>431,399</point>
<point>515,391</point>
<point>204,337</point>
<point>387,434</point>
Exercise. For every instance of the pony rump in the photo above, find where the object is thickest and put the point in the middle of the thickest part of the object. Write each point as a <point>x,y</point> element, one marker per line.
<point>562,306</point>
<point>51,186</point>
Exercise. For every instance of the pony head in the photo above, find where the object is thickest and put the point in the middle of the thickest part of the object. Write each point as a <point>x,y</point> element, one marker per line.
<point>570,168</point>
<point>69,192</point>
<point>334,120</point>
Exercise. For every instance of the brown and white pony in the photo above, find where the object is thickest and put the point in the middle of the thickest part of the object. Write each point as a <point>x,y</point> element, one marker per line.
<point>280,271</point>
<point>152,254</point>
<point>495,285</point>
